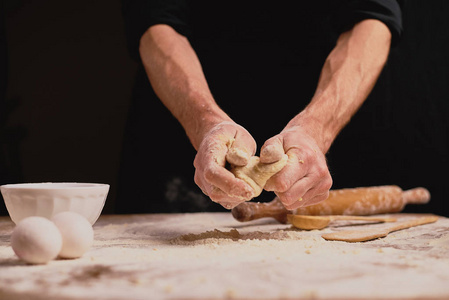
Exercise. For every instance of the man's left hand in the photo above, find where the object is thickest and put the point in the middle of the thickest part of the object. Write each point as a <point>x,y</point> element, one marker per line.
<point>305,180</point>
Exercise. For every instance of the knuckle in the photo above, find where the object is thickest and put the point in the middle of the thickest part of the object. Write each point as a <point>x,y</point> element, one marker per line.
<point>328,182</point>
<point>322,172</point>
<point>196,163</point>
<point>321,168</point>
<point>293,206</point>
<point>324,196</point>
<point>200,183</point>
<point>318,198</point>
<point>197,179</point>
<point>307,154</point>
<point>324,182</point>
<point>280,185</point>
<point>288,199</point>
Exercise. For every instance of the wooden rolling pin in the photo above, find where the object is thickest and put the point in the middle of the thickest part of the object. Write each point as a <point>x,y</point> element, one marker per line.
<point>354,201</point>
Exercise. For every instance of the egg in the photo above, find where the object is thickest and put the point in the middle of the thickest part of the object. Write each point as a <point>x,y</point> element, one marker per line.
<point>77,234</point>
<point>36,240</point>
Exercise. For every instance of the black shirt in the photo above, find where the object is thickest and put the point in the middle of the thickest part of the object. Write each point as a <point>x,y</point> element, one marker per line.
<point>262,61</point>
<point>185,16</point>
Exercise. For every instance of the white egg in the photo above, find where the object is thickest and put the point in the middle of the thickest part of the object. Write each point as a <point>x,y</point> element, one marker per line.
<point>36,240</point>
<point>77,234</point>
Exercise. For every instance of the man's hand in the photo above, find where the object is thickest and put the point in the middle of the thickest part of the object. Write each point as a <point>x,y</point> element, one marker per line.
<point>348,75</point>
<point>305,180</point>
<point>219,146</point>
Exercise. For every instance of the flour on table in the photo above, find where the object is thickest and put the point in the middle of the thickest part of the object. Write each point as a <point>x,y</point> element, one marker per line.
<point>212,256</point>
<point>233,235</point>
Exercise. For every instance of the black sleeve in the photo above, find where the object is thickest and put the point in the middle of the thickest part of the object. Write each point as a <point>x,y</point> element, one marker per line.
<point>139,15</point>
<point>386,11</point>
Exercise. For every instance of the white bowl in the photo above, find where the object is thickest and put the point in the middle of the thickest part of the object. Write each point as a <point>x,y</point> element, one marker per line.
<point>47,199</point>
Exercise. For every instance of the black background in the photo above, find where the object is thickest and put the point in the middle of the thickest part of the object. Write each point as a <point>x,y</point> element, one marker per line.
<point>69,82</point>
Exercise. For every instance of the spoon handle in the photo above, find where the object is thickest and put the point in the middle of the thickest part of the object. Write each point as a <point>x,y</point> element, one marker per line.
<point>371,234</point>
<point>361,218</point>
<point>412,223</point>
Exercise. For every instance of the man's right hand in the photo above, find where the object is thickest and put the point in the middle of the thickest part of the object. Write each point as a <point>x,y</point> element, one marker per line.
<point>225,142</point>
<point>177,78</point>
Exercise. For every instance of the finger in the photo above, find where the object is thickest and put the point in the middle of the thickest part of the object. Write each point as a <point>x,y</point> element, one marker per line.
<point>213,173</point>
<point>272,151</point>
<point>310,198</point>
<point>318,193</point>
<point>315,199</point>
<point>306,192</point>
<point>223,179</point>
<point>294,197</point>
<point>218,196</point>
<point>241,148</point>
<point>237,156</point>
<point>284,179</point>
<point>200,183</point>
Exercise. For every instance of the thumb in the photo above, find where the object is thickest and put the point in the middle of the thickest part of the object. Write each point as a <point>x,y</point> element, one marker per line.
<point>240,149</point>
<point>272,151</point>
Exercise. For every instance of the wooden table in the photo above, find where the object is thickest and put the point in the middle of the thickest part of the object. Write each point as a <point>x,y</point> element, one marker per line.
<point>212,256</point>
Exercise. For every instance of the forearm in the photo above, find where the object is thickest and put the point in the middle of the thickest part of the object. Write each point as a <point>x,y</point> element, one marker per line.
<point>347,78</point>
<point>176,76</point>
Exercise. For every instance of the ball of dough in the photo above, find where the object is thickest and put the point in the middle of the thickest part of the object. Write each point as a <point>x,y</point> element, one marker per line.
<point>77,234</point>
<point>36,240</point>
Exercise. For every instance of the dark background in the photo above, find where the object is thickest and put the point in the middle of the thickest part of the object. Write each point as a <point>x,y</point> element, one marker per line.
<point>69,82</point>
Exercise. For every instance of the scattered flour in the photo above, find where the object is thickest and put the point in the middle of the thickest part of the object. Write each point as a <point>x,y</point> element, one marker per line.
<point>211,237</point>
<point>211,256</point>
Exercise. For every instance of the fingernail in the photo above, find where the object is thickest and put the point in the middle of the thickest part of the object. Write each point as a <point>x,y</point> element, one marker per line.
<point>228,206</point>
<point>248,193</point>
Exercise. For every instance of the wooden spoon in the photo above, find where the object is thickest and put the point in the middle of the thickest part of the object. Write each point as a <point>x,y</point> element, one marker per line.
<point>320,222</point>
<point>374,233</point>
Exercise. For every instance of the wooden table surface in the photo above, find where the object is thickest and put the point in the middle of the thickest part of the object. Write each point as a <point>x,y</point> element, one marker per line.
<point>212,256</point>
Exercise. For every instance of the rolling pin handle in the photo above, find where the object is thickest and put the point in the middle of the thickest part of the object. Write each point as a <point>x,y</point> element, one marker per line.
<point>242,212</point>
<point>417,195</point>
<point>248,211</point>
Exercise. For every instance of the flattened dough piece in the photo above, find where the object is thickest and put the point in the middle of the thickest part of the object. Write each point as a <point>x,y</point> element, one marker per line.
<point>256,174</point>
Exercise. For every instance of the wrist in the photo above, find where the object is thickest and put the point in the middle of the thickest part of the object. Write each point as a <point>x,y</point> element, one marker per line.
<point>198,125</point>
<point>314,127</point>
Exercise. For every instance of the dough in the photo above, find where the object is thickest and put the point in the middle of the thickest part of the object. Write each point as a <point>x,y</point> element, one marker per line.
<point>256,174</point>
<point>36,240</point>
<point>77,234</point>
